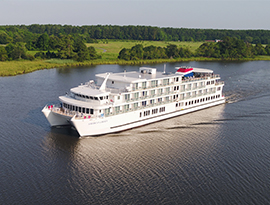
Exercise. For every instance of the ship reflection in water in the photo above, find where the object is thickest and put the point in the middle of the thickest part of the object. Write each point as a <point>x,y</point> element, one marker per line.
<point>141,160</point>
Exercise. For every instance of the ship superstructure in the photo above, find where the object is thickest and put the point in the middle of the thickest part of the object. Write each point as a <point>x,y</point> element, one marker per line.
<point>120,101</point>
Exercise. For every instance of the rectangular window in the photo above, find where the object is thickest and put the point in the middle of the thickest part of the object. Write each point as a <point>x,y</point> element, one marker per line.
<point>136,95</point>
<point>182,87</point>
<point>127,96</point>
<point>135,105</point>
<point>107,111</point>
<point>117,109</point>
<point>143,103</point>
<point>143,85</point>
<point>154,83</point>
<point>136,85</point>
<point>165,81</point>
<point>126,107</point>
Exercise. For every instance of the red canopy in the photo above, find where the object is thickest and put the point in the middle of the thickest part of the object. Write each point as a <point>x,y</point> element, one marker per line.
<point>184,70</point>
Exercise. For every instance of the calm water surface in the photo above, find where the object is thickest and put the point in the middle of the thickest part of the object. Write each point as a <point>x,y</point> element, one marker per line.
<point>219,155</point>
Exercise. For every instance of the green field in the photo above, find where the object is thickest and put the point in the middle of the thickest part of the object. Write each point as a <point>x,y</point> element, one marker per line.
<point>113,47</point>
<point>109,50</point>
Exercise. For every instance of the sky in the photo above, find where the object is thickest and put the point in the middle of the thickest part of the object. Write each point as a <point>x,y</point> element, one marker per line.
<point>204,14</point>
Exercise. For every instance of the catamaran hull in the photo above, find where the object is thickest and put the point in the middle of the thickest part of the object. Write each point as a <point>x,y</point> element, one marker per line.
<point>54,118</point>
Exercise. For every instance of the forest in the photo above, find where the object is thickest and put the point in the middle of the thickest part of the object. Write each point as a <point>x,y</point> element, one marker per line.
<point>227,49</point>
<point>25,33</point>
<point>69,42</point>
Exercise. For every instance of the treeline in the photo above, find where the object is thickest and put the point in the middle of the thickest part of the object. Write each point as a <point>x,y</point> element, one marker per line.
<point>89,34</point>
<point>228,48</point>
<point>62,47</point>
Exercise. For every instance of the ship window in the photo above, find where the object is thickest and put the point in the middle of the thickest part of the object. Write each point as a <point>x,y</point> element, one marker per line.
<point>87,110</point>
<point>91,111</point>
<point>112,82</point>
<point>135,105</point>
<point>136,95</point>
<point>96,98</point>
<point>159,99</point>
<point>76,108</point>
<point>143,84</point>
<point>127,96</point>
<point>87,97</point>
<point>140,114</point>
<point>107,97</point>
<point>101,98</point>
<point>83,110</point>
<point>143,103</point>
<point>80,109</point>
<point>91,98</point>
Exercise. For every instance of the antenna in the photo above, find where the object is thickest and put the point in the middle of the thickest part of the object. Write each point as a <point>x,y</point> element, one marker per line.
<point>103,86</point>
<point>164,68</point>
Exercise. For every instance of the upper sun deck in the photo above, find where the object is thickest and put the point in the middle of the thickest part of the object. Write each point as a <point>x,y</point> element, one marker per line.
<point>146,74</point>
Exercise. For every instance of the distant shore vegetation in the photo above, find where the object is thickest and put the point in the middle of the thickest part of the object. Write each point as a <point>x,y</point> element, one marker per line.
<point>24,49</point>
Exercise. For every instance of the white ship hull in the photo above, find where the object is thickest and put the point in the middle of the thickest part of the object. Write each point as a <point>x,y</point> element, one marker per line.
<point>124,121</point>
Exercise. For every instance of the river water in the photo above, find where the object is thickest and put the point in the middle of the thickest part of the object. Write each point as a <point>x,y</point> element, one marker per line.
<point>218,155</point>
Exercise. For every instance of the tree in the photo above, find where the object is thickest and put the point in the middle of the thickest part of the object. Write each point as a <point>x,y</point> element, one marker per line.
<point>259,49</point>
<point>16,51</point>
<point>4,38</point>
<point>65,47</point>
<point>3,54</point>
<point>43,42</point>
<point>172,51</point>
<point>93,53</point>
<point>267,49</point>
<point>136,52</point>
<point>82,51</point>
<point>124,54</point>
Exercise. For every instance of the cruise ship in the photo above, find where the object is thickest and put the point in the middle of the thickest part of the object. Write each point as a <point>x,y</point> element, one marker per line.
<point>119,101</point>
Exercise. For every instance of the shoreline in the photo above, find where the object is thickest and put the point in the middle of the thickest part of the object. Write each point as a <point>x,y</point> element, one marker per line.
<point>13,68</point>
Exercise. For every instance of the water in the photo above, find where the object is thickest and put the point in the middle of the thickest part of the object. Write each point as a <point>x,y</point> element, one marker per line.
<point>219,155</point>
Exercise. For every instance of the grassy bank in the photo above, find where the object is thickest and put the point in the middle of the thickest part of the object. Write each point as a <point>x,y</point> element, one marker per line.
<point>109,51</point>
